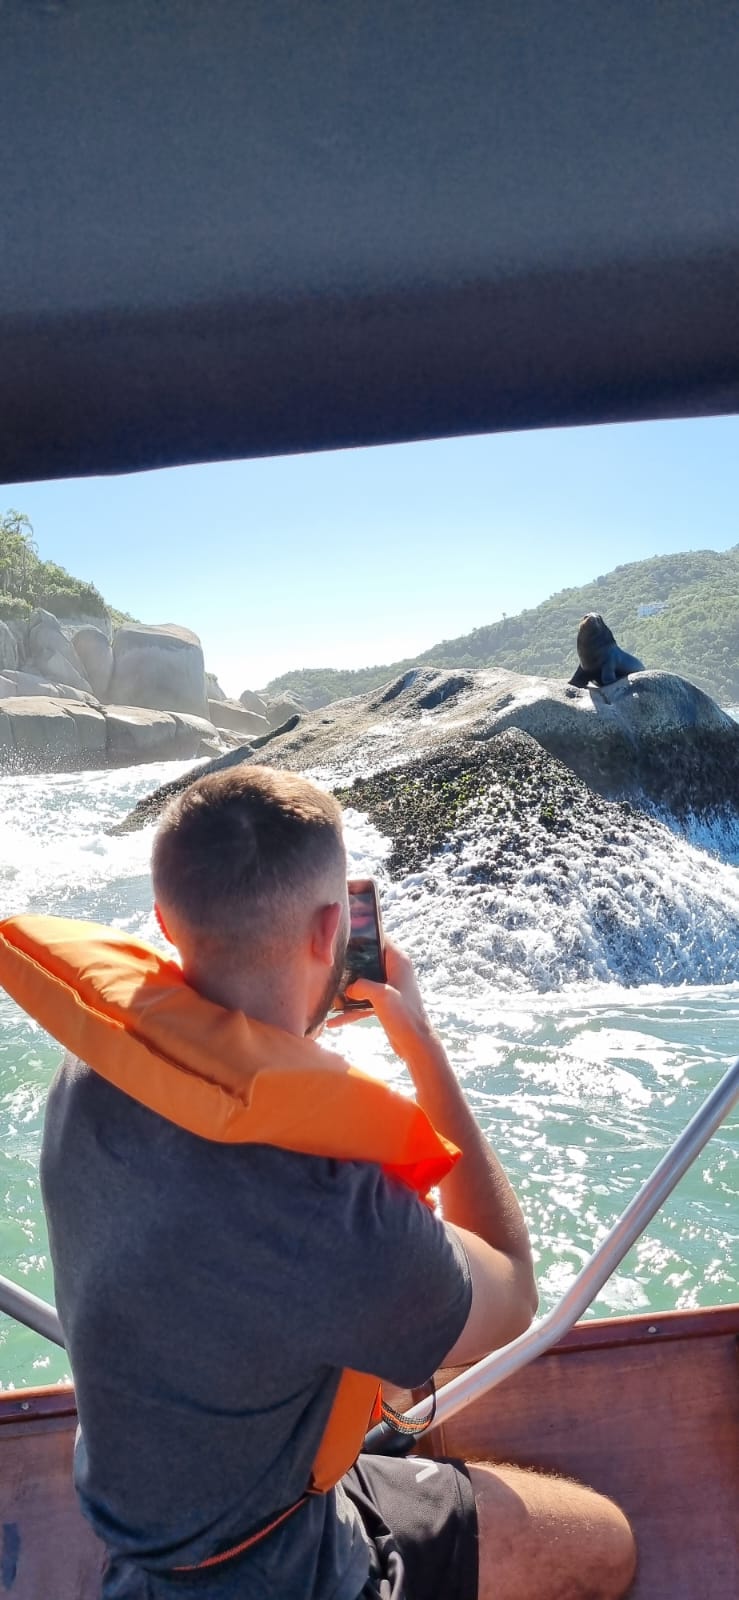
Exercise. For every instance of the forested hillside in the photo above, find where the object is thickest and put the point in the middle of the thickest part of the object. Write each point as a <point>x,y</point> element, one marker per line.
<point>27,581</point>
<point>679,613</point>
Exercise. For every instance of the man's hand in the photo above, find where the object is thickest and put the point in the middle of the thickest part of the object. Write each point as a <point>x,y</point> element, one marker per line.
<point>397,1004</point>
<point>476,1195</point>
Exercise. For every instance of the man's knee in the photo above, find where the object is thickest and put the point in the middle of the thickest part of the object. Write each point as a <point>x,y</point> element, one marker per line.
<point>614,1549</point>
<point>550,1537</point>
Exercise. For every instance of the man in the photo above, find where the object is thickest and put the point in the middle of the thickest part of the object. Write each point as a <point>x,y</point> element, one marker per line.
<point>211,1294</point>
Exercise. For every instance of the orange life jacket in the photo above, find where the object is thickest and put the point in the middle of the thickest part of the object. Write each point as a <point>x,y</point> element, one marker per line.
<point>126,1011</point>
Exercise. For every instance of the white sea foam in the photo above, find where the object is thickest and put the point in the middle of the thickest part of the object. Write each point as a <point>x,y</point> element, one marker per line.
<point>662,911</point>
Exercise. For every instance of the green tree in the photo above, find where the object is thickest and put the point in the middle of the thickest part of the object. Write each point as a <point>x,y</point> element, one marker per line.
<point>18,555</point>
<point>26,581</point>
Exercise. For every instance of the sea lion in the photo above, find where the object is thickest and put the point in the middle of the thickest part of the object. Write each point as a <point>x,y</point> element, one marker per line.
<point>601,660</point>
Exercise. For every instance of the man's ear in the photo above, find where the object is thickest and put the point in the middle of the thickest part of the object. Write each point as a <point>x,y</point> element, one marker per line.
<point>161,924</point>
<point>326,921</point>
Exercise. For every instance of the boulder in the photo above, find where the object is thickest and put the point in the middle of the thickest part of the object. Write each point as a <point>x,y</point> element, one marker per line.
<point>38,735</point>
<point>195,736</point>
<point>135,734</point>
<point>85,619</point>
<point>279,711</point>
<point>27,683</point>
<point>213,688</point>
<point>91,733</point>
<point>230,714</point>
<point>158,667</point>
<point>46,734</point>
<point>652,739</point>
<point>253,702</point>
<point>50,654</point>
<point>95,653</point>
<point>18,626</point>
<point>8,647</point>
<point>649,737</point>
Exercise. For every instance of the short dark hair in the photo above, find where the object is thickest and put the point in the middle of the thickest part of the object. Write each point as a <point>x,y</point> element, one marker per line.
<point>236,843</point>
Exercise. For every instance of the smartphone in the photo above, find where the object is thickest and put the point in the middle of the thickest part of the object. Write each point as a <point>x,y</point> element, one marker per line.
<point>365,955</point>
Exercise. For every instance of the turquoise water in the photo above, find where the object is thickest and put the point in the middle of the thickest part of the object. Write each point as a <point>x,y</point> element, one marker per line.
<point>580,1087</point>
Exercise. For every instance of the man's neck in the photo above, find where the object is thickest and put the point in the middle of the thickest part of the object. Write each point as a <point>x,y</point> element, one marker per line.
<point>278,1004</point>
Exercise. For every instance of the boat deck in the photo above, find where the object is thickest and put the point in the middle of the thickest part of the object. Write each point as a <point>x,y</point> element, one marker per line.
<point>645,1409</point>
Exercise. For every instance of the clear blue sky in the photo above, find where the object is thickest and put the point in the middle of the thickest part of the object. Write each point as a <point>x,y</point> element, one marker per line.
<point>360,557</point>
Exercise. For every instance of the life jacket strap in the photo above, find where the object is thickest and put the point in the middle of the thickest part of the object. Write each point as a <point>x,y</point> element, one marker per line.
<point>402,1424</point>
<point>244,1544</point>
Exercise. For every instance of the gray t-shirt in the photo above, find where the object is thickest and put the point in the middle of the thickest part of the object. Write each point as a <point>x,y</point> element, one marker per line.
<point>210,1295</point>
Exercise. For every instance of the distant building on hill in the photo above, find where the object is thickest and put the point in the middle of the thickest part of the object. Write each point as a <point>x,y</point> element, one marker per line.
<point>651,610</point>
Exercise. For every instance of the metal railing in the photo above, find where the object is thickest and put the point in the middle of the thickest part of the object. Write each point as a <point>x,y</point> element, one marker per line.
<point>27,1308</point>
<point>495,1368</point>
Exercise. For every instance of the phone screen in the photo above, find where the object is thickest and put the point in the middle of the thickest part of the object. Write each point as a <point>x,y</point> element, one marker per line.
<point>364,954</point>
<point>364,957</point>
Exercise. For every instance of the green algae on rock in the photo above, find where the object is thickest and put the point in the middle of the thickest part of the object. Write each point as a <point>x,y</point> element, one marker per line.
<point>527,800</point>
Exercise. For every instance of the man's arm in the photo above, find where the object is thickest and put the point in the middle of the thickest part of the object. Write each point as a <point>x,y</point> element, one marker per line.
<point>477,1198</point>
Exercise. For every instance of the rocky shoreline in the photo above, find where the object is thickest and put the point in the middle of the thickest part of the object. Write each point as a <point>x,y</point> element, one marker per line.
<point>73,700</point>
<point>58,735</point>
<point>651,739</point>
<point>539,769</point>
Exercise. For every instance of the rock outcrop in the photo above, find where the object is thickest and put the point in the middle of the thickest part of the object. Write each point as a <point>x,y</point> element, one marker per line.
<point>279,711</point>
<point>160,668</point>
<point>147,695</point>
<point>28,684</point>
<point>651,739</point>
<point>8,647</point>
<point>231,715</point>
<point>49,655</point>
<point>56,734</point>
<point>213,688</point>
<point>148,809</point>
<point>541,882</point>
<point>253,702</point>
<point>94,650</point>
<point>135,735</point>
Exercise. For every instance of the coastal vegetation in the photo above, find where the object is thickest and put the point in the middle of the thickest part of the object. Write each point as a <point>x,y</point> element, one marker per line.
<point>677,613</point>
<point>26,581</point>
<point>510,784</point>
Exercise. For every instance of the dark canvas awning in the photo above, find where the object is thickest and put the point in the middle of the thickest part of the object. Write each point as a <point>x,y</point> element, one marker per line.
<point>235,228</point>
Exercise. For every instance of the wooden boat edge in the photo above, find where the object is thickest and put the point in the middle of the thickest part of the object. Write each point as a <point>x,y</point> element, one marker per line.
<point>52,1402</point>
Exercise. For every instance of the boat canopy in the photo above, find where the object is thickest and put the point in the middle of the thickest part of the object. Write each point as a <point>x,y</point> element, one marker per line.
<point>240,229</point>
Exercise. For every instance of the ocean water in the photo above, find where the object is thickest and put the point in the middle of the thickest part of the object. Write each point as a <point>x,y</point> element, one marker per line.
<point>581,1083</point>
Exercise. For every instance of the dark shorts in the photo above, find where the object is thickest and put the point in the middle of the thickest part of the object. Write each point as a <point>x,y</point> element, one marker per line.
<point>421,1521</point>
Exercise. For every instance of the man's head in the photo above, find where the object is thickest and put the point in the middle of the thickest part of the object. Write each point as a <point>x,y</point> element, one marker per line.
<point>249,872</point>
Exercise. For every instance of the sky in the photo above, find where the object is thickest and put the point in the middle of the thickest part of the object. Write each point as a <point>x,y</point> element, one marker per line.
<point>360,557</point>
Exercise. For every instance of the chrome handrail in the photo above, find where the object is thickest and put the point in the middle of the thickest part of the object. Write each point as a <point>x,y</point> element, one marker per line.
<point>501,1364</point>
<point>25,1307</point>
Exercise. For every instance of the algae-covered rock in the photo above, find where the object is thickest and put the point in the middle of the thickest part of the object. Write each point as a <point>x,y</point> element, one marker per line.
<point>652,739</point>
